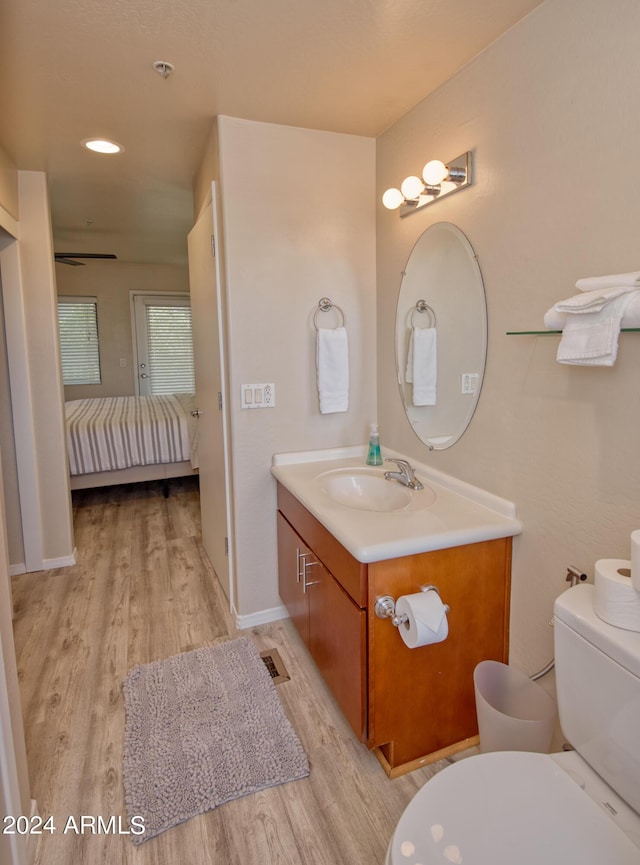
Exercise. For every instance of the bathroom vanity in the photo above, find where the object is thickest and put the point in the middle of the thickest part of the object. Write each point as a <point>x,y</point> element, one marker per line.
<point>338,554</point>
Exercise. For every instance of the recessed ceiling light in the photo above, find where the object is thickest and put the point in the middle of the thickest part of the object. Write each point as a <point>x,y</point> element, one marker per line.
<point>101,145</point>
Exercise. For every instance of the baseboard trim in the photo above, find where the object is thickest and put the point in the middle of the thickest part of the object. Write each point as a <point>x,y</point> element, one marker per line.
<point>46,564</point>
<point>60,562</point>
<point>262,617</point>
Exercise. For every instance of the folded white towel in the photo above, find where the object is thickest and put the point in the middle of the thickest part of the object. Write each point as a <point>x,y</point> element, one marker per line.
<point>422,365</point>
<point>591,283</point>
<point>593,301</point>
<point>591,339</point>
<point>555,320</point>
<point>332,361</point>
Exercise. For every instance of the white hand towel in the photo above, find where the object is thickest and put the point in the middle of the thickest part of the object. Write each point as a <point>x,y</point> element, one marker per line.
<point>422,365</point>
<point>593,301</point>
<point>591,283</point>
<point>332,361</point>
<point>591,339</point>
<point>555,320</point>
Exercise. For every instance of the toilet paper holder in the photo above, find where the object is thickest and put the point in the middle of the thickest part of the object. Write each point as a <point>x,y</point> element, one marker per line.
<point>385,607</point>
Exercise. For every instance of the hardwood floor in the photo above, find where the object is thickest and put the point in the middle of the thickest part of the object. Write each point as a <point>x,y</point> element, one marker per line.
<point>143,589</point>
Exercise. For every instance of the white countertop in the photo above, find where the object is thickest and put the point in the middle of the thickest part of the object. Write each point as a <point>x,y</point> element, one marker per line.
<point>461,513</point>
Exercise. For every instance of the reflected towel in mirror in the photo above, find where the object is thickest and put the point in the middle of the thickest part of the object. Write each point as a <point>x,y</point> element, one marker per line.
<point>332,361</point>
<point>422,365</point>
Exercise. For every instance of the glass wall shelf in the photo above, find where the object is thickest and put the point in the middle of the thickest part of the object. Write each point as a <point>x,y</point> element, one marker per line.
<point>552,332</point>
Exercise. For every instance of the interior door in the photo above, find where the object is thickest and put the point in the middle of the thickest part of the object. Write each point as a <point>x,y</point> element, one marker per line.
<point>208,349</point>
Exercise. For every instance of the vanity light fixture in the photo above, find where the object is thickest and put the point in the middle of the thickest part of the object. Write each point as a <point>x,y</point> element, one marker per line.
<point>102,145</point>
<point>437,181</point>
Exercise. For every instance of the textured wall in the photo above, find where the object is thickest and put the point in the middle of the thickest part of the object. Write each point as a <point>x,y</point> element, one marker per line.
<point>549,112</point>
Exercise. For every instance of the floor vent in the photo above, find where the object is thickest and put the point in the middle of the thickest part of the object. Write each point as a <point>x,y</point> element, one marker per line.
<point>275,665</point>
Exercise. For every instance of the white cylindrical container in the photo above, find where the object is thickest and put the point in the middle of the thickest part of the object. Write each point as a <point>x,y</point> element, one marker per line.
<point>635,559</point>
<point>616,601</point>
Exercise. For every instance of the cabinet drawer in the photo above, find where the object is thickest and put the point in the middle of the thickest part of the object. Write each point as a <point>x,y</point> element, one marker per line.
<point>351,573</point>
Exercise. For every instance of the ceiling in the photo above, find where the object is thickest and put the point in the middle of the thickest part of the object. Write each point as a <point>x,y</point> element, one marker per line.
<point>74,69</point>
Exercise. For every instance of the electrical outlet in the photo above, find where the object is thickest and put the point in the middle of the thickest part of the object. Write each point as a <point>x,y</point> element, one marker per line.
<point>257,395</point>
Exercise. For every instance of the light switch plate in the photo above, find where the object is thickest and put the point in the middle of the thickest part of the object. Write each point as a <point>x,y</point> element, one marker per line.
<point>257,395</point>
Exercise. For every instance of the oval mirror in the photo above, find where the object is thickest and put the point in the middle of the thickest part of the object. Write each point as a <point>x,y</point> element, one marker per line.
<point>441,335</point>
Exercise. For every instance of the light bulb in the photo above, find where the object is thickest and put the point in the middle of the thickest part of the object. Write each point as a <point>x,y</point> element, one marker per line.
<point>412,187</point>
<point>101,145</point>
<point>447,186</point>
<point>392,199</point>
<point>434,172</point>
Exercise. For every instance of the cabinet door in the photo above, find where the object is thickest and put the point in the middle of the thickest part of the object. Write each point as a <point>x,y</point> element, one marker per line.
<point>337,642</point>
<point>292,552</point>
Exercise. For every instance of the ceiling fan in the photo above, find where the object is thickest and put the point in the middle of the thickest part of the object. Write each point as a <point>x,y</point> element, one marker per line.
<point>68,257</point>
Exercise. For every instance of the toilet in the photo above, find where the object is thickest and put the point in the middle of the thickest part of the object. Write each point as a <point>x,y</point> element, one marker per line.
<point>579,806</point>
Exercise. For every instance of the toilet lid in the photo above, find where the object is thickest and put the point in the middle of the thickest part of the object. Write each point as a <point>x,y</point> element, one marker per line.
<point>504,808</point>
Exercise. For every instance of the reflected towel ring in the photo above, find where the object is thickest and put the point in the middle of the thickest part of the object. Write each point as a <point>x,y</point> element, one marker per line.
<point>325,305</point>
<point>422,306</point>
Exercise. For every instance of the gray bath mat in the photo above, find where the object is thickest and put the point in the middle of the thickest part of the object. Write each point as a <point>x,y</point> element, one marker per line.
<point>203,728</point>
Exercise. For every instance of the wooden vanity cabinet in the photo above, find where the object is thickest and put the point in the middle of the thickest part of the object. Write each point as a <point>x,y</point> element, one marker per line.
<point>413,706</point>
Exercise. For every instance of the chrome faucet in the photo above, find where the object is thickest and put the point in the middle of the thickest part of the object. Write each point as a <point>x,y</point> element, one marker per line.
<point>405,474</point>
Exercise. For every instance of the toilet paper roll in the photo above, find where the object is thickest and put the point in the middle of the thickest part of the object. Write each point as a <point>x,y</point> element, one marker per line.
<point>615,599</point>
<point>426,619</point>
<point>635,559</point>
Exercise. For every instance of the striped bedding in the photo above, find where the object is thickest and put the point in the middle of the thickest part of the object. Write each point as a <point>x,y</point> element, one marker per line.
<point>110,433</point>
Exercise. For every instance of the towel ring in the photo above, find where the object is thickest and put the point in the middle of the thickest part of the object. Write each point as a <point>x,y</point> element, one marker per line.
<point>325,305</point>
<point>422,306</point>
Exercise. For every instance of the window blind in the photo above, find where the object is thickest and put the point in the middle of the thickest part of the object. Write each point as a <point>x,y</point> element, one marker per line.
<point>170,349</point>
<point>79,347</point>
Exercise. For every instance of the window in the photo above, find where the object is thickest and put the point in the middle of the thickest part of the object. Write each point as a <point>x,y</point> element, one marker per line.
<point>79,349</point>
<point>164,344</point>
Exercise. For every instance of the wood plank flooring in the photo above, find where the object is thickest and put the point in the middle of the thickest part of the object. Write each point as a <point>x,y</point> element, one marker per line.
<point>143,589</point>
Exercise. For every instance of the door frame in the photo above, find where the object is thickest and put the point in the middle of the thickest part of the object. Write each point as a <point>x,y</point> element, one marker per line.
<point>213,200</point>
<point>14,780</point>
<point>222,298</point>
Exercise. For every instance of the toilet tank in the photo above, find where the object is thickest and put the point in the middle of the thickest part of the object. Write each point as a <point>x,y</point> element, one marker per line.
<point>598,688</point>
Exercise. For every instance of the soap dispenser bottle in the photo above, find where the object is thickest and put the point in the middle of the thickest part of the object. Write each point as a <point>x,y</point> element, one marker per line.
<point>374,458</point>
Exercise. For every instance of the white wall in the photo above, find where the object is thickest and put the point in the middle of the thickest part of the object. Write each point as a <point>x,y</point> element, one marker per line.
<point>549,110</point>
<point>38,289</point>
<point>299,223</point>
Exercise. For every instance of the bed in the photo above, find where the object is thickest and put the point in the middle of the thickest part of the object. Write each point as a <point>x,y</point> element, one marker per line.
<point>128,439</point>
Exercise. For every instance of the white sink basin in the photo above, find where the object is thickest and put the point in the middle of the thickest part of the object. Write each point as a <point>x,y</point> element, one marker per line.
<point>367,490</point>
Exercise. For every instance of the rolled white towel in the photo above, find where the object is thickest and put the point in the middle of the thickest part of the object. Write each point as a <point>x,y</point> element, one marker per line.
<point>332,361</point>
<point>591,283</point>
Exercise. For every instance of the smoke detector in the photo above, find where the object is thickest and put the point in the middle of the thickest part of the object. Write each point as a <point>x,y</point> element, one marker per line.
<point>164,68</point>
